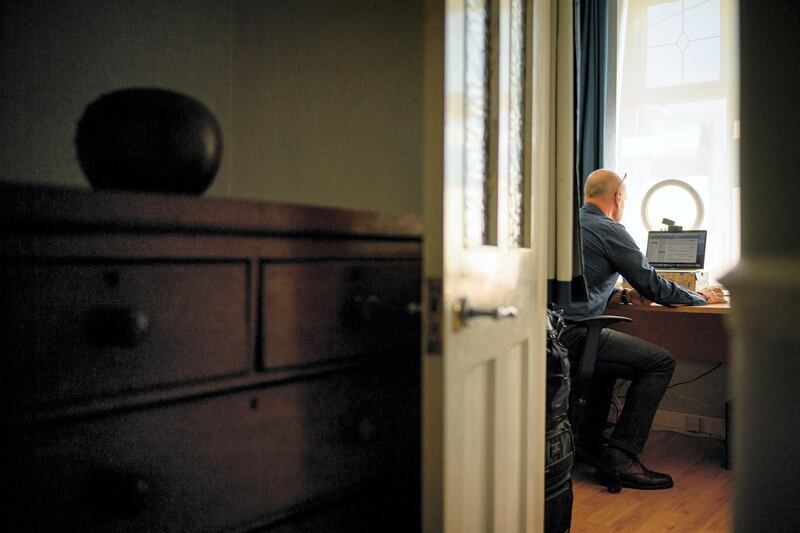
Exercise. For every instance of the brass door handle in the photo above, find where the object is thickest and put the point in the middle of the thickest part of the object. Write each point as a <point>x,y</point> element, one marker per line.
<point>463,312</point>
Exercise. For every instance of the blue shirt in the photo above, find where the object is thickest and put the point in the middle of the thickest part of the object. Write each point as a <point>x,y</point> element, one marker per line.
<point>608,251</point>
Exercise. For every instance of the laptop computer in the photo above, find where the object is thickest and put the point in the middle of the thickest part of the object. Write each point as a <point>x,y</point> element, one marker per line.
<point>676,250</point>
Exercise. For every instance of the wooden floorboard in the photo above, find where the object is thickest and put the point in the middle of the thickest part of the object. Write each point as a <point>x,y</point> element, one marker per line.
<point>699,502</point>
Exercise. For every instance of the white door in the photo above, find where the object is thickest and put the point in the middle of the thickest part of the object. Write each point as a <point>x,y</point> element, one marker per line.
<point>488,137</point>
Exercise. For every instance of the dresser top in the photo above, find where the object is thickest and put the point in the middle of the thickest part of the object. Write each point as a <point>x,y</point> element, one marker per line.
<point>40,207</point>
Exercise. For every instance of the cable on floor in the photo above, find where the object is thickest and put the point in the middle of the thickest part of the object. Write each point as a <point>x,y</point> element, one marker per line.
<point>707,372</point>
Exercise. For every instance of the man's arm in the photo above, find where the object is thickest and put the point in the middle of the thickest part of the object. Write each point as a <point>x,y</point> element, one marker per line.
<point>629,261</point>
<point>712,295</point>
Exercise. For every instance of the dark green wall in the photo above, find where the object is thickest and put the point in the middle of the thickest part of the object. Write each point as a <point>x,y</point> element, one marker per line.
<point>320,102</point>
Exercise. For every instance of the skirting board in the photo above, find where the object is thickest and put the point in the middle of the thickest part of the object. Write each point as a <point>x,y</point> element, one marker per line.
<point>690,424</point>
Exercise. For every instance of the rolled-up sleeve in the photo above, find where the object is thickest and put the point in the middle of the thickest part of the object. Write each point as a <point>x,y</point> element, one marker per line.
<point>631,263</point>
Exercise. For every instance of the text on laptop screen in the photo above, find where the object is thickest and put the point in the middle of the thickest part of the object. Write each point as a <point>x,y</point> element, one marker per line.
<point>676,249</point>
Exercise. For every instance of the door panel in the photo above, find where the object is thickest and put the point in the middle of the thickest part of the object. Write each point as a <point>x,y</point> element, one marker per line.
<point>510,413</point>
<point>476,499</point>
<point>487,166</point>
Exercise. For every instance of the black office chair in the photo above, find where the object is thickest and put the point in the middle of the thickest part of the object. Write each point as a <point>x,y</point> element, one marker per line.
<point>582,373</point>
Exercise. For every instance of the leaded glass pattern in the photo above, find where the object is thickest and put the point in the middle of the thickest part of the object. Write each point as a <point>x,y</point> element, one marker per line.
<point>516,181</point>
<point>476,109</point>
<point>683,42</point>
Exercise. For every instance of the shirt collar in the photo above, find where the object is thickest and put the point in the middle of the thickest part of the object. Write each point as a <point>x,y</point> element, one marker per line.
<point>593,209</point>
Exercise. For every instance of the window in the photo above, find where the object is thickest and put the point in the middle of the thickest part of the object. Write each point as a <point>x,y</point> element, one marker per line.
<point>676,120</point>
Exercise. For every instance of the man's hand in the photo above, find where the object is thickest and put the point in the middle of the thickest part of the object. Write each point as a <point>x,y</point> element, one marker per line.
<point>713,295</point>
<point>637,299</point>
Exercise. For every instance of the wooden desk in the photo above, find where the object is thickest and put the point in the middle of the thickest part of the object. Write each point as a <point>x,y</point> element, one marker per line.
<point>690,332</point>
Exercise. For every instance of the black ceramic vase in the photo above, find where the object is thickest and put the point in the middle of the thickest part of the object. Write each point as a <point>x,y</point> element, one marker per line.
<point>154,140</point>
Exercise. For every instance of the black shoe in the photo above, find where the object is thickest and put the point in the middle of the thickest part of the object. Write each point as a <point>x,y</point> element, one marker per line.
<point>618,468</point>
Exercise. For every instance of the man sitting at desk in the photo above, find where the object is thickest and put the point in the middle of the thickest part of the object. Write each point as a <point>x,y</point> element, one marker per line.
<point>608,251</point>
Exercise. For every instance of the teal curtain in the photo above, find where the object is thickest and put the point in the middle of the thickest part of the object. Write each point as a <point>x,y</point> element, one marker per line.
<point>590,18</point>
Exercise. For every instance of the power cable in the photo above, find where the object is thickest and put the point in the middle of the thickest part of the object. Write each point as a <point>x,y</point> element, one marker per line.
<point>707,372</point>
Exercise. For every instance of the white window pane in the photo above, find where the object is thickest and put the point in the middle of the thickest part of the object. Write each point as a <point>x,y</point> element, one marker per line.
<point>663,23</point>
<point>673,121</point>
<point>663,11</point>
<point>516,141</point>
<point>664,66</point>
<point>476,93</point>
<point>703,20</point>
<point>702,61</point>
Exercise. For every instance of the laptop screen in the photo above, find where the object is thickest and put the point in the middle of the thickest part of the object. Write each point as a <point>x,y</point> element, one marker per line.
<point>676,249</point>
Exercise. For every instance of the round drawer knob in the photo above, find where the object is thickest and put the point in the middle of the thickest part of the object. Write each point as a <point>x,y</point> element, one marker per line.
<point>362,309</point>
<point>119,326</point>
<point>118,492</point>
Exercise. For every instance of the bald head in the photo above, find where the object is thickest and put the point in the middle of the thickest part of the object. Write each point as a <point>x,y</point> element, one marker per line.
<point>601,184</point>
<point>605,189</point>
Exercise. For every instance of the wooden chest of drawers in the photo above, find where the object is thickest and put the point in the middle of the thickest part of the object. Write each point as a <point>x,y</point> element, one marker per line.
<point>190,364</point>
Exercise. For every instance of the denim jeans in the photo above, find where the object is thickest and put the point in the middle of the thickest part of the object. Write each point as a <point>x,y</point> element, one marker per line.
<point>621,356</point>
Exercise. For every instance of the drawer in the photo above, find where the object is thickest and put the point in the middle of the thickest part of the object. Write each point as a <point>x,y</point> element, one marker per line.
<point>218,463</point>
<point>378,508</point>
<point>81,330</point>
<point>320,310</point>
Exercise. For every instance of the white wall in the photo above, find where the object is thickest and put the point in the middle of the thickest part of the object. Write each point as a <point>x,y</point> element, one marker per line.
<point>319,102</point>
